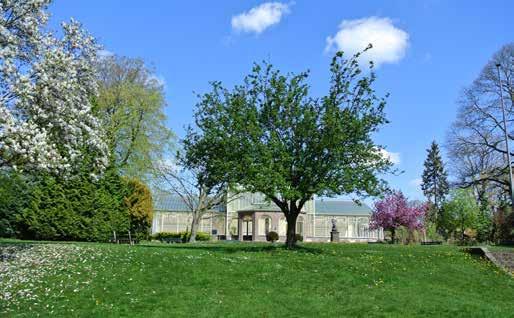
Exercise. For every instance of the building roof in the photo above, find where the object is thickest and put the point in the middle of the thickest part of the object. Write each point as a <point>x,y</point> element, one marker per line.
<point>163,201</point>
<point>323,207</point>
<point>341,208</point>
<point>270,207</point>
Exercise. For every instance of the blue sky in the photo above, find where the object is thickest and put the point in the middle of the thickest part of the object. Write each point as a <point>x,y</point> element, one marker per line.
<point>429,51</point>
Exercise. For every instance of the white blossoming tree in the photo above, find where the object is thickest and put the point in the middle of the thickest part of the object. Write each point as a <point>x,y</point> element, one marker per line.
<point>46,84</point>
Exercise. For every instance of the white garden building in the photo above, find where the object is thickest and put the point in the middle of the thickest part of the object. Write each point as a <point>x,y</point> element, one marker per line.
<point>249,217</point>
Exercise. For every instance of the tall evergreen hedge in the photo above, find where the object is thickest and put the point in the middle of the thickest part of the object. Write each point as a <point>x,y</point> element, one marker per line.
<point>45,207</point>
<point>13,199</point>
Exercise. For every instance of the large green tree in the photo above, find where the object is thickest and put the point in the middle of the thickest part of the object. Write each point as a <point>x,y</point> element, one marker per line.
<point>460,212</point>
<point>130,106</point>
<point>274,138</point>
<point>434,180</point>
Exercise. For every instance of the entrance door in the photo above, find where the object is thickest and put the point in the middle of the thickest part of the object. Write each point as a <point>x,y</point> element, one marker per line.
<point>247,228</point>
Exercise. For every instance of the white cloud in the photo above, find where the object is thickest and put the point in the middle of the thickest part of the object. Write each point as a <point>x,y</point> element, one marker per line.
<point>389,42</point>
<point>260,18</point>
<point>394,157</point>
<point>416,182</point>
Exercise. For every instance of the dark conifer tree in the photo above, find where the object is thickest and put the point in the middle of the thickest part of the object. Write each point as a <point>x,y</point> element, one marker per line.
<point>434,180</point>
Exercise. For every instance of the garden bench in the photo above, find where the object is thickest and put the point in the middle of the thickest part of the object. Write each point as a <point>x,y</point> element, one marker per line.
<point>432,243</point>
<point>123,239</point>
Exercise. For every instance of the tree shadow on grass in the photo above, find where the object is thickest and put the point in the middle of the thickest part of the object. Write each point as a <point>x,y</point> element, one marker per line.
<point>237,247</point>
<point>8,251</point>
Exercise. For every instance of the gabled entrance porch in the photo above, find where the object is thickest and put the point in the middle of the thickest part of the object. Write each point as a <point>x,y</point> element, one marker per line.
<point>255,225</point>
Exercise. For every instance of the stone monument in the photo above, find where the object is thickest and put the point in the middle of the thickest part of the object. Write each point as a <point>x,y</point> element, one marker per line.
<point>334,234</point>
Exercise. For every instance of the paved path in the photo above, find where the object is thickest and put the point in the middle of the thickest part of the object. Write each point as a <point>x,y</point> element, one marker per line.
<point>505,260</point>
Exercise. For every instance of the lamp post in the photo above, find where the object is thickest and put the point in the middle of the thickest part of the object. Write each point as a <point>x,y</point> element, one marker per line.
<point>506,135</point>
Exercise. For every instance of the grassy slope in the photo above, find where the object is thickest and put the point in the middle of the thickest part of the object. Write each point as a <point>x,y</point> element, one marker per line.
<point>236,280</point>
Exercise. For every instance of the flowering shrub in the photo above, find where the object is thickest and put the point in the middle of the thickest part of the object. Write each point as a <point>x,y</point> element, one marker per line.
<point>46,85</point>
<point>395,211</point>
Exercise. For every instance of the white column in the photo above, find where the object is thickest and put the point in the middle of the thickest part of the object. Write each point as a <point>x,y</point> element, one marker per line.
<point>240,227</point>
<point>254,227</point>
<point>313,218</point>
<point>154,223</point>
<point>227,225</point>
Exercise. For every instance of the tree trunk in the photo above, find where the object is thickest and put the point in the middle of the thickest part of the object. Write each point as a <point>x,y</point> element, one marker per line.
<point>194,227</point>
<point>462,231</point>
<point>291,210</point>
<point>435,202</point>
<point>393,235</point>
<point>291,229</point>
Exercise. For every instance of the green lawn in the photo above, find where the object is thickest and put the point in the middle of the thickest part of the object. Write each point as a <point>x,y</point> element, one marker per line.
<point>250,280</point>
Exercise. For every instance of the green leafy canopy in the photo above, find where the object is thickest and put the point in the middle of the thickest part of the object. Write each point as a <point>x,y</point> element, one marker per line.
<point>130,106</point>
<point>269,135</point>
<point>276,139</point>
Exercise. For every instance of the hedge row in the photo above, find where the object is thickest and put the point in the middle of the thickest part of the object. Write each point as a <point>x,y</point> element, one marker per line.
<point>184,236</point>
<point>44,207</point>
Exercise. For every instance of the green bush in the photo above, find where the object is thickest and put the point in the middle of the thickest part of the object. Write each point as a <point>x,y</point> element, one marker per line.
<point>164,235</point>
<point>406,236</point>
<point>272,236</point>
<point>202,236</point>
<point>184,236</point>
<point>468,241</point>
<point>432,233</point>
<point>298,238</point>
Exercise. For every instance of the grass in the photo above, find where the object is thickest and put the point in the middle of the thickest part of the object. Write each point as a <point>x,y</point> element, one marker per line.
<point>501,248</point>
<point>250,280</point>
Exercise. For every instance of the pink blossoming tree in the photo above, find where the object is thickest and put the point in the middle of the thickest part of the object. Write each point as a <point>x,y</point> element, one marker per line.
<point>395,211</point>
